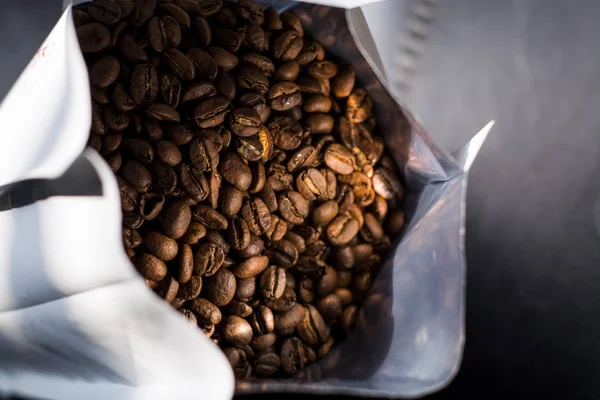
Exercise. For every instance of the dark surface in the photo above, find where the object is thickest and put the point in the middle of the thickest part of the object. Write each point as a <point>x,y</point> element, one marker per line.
<point>533,307</point>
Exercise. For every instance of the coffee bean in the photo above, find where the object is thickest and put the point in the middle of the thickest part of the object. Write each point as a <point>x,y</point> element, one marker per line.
<point>263,342</point>
<point>287,71</point>
<point>211,112</point>
<point>319,123</point>
<point>251,267</point>
<point>308,233</point>
<point>115,119</point>
<point>164,177</point>
<point>179,135</point>
<point>344,279</point>
<point>372,231</point>
<point>105,71</point>
<point>284,96</point>
<point>194,233</point>
<point>288,45</point>
<point>254,248</point>
<point>269,198</point>
<point>80,17</point>
<point>282,253</point>
<point>100,95</point>
<point>214,182</point>
<point>311,51</point>
<point>163,247</point>
<point>162,112</point>
<point>93,37</point>
<point>287,321</point>
<point>287,133</point>
<point>238,234</point>
<point>132,51</point>
<point>305,156</point>
<point>111,141</point>
<point>204,154</point>
<point>128,195</point>
<point>244,121</point>
<point>257,216</point>
<point>325,213</point>
<point>205,64</point>
<point>132,219</point>
<point>180,64</point>
<point>292,355</point>
<point>395,222</point>
<point>267,364</point>
<point>176,219</point>
<point>339,159</point>
<point>131,238</point>
<point>252,78</point>
<point>272,282</point>
<point>191,289</point>
<point>272,20</point>
<point>235,171</point>
<point>224,59</point>
<point>203,31</point>
<point>151,267</point>
<point>277,230</point>
<point>137,175</point>
<point>185,263</point>
<point>343,82</point>
<point>189,316</point>
<point>193,182</point>
<point>279,178</point>
<point>293,207</point>
<point>164,33</point>
<point>220,288</point>
<point>168,289</point>
<point>179,14</point>
<point>342,229</point>
<point>311,184</point>
<point>207,312</point>
<point>239,363</point>
<point>317,103</point>
<point>208,259</point>
<point>144,84</point>
<point>306,290</point>
<point>312,329</point>
<point>237,331</point>
<point>209,217</point>
<point>361,284</point>
<point>386,184</point>
<point>259,177</point>
<point>262,320</point>
<point>239,308</point>
<point>245,289</point>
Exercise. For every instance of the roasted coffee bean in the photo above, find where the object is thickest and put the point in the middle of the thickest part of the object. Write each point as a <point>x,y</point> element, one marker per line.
<point>238,234</point>
<point>151,267</point>
<point>292,355</point>
<point>204,154</point>
<point>228,39</point>
<point>100,95</point>
<point>93,37</point>
<point>235,171</point>
<point>257,216</point>
<point>308,233</point>
<point>245,290</point>
<point>317,103</point>
<point>208,259</point>
<point>225,85</point>
<point>254,248</point>
<point>286,322</point>
<point>203,31</point>
<point>319,249</point>
<point>217,238</point>
<point>261,62</point>
<point>284,303</point>
<point>205,64</point>
<point>249,148</point>
<point>239,308</point>
<point>131,238</point>
<point>193,182</point>
<point>257,101</point>
<point>249,10</point>
<point>252,78</point>
<point>121,99</point>
<point>144,84</point>
<point>296,240</point>
<point>185,265</point>
<point>288,45</point>
<point>168,153</point>
<point>319,123</point>
<point>154,132</point>
<point>111,141</point>
<point>224,59</point>
<point>306,290</point>
<point>361,284</point>
<point>176,219</point>
<point>194,233</point>
<point>132,51</point>
<point>312,329</point>
<point>310,266</point>
<point>325,213</point>
<point>169,88</point>
<point>180,64</point>
<point>211,112</point>
<point>80,17</point>
<point>330,307</point>
<point>311,184</point>
<point>287,133</point>
<point>259,177</point>
<point>137,175</point>
<point>162,112</point>
<point>386,184</point>
<point>230,200</point>
<point>237,331</point>
<point>310,85</point>
<point>163,33</point>
<point>269,198</point>
<point>282,253</point>
<point>305,156</point>
<point>244,121</point>
<point>272,282</point>
<point>279,178</point>
<point>220,288</point>
<point>179,135</point>
<point>272,19</point>
<point>344,278</point>
<point>115,119</point>
<point>132,219</point>
<point>179,14</point>
<point>164,177</point>
<point>278,228</point>
<point>358,106</point>
<point>168,289</point>
<point>293,207</point>
<point>342,229</point>
<point>191,289</point>
<point>343,82</point>
<point>267,364</point>
<point>207,312</point>
<point>105,71</point>
<point>395,222</point>
<point>251,267</point>
<point>284,96</point>
<point>150,205</point>
<point>239,363</point>
<point>371,231</point>
<point>339,159</point>
<point>214,183</point>
<point>209,217</point>
<point>262,320</point>
<point>128,195</point>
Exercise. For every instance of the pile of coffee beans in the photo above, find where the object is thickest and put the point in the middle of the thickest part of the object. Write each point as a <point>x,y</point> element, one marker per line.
<point>257,196</point>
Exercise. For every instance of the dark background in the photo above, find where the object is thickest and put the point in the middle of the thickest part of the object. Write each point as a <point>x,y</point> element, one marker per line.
<point>533,210</point>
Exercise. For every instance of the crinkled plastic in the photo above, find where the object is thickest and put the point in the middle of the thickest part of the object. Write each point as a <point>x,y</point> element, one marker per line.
<point>76,321</point>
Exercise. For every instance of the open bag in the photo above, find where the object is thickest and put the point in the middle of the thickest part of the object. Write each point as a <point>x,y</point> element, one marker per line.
<point>76,319</point>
